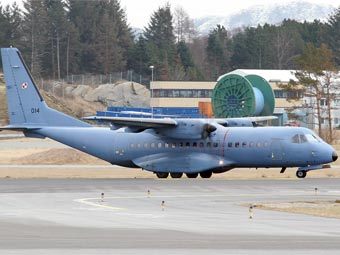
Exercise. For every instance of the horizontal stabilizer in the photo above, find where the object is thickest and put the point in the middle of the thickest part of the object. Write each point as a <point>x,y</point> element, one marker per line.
<point>18,128</point>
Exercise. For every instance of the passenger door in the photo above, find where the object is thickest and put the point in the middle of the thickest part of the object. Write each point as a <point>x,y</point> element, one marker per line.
<point>276,150</point>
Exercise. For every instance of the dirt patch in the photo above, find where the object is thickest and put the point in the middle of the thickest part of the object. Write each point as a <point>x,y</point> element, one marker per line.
<point>316,208</point>
<point>58,157</point>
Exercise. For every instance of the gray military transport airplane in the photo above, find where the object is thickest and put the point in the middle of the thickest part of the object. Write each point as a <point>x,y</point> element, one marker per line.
<point>163,146</point>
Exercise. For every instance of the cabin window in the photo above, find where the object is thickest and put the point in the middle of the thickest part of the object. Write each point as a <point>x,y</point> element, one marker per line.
<point>215,145</point>
<point>132,145</point>
<point>173,145</point>
<point>258,144</point>
<point>251,144</point>
<point>145,145</point>
<point>265,144</point>
<point>187,144</point>
<point>244,144</point>
<point>201,145</point>
<point>208,144</point>
<point>153,145</point>
<point>181,144</point>
<point>166,145</point>
<point>194,144</point>
<point>237,144</point>
<point>159,145</point>
<point>139,145</point>
<point>230,144</point>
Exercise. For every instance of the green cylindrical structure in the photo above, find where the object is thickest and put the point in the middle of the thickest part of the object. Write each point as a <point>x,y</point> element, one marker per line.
<point>240,95</point>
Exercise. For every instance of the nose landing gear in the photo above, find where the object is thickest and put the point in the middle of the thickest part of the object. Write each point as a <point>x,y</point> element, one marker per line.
<point>301,174</point>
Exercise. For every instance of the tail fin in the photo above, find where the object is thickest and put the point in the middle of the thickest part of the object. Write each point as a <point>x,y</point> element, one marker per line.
<point>26,107</point>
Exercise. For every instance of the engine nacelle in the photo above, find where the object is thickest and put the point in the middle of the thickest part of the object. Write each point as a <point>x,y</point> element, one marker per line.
<point>189,129</point>
<point>239,122</point>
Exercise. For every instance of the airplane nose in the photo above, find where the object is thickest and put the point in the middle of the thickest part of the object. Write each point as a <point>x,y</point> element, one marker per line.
<point>334,156</point>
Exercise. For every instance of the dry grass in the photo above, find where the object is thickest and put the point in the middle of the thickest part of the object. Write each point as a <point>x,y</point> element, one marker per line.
<point>315,208</point>
<point>57,157</point>
<point>3,104</point>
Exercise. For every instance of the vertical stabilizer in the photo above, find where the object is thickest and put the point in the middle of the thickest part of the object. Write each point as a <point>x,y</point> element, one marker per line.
<point>25,104</point>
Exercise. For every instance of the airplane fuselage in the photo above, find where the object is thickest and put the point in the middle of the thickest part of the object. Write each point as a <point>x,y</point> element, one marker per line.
<point>226,148</point>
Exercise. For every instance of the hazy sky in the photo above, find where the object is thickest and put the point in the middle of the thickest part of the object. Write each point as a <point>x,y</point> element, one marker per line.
<point>139,11</point>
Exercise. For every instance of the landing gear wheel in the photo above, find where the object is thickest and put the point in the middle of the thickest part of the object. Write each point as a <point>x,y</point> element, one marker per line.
<point>176,175</point>
<point>162,175</point>
<point>206,174</point>
<point>301,174</point>
<point>192,175</point>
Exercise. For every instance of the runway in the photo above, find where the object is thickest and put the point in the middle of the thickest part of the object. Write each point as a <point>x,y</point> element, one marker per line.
<point>41,216</point>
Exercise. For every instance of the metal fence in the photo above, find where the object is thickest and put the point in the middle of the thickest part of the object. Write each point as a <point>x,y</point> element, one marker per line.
<point>59,87</point>
<point>88,79</point>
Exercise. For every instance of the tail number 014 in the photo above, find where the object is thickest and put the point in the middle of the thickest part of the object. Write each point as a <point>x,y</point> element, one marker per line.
<point>35,110</point>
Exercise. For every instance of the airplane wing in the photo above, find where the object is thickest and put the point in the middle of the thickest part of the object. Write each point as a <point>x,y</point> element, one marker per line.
<point>135,122</point>
<point>243,121</point>
<point>178,128</point>
<point>167,122</point>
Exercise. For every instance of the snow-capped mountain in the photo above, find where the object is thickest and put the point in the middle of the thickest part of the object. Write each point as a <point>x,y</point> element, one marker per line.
<point>261,14</point>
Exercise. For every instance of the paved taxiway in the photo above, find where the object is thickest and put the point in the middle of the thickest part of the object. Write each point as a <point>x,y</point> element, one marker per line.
<point>41,216</point>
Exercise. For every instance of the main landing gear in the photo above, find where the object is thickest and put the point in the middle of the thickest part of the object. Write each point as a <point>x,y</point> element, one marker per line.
<point>164,175</point>
<point>206,174</point>
<point>301,174</point>
<point>176,175</point>
<point>192,175</point>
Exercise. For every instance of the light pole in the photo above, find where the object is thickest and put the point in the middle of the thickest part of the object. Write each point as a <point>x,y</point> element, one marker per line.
<point>151,90</point>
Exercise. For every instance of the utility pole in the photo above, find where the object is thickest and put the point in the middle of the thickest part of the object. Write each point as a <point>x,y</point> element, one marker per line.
<point>151,90</point>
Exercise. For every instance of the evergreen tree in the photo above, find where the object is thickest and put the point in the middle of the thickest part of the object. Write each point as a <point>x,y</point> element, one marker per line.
<point>35,32</point>
<point>139,59</point>
<point>333,35</point>
<point>218,51</point>
<point>13,25</point>
<point>184,55</point>
<point>58,36</point>
<point>161,42</point>
<point>105,37</point>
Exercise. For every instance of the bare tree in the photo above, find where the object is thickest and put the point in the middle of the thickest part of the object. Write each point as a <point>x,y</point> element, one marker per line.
<point>184,26</point>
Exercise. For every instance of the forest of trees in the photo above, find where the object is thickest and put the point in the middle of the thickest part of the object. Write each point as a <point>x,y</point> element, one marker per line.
<point>58,38</point>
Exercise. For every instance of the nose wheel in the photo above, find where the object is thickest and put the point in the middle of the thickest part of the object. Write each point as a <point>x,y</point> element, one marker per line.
<point>301,174</point>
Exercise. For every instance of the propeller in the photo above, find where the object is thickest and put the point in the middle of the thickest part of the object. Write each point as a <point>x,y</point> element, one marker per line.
<point>207,130</point>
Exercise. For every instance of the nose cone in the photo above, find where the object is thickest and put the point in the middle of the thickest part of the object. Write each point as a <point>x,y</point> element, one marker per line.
<point>334,156</point>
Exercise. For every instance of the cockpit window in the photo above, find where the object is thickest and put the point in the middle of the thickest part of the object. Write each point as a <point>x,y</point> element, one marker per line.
<point>299,138</point>
<point>312,138</point>
<point>295,139</point>
<point>303,139</point>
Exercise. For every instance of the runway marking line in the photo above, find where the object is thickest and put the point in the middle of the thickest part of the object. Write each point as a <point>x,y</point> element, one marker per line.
<point>86,202</point>
<point>97,203</point>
